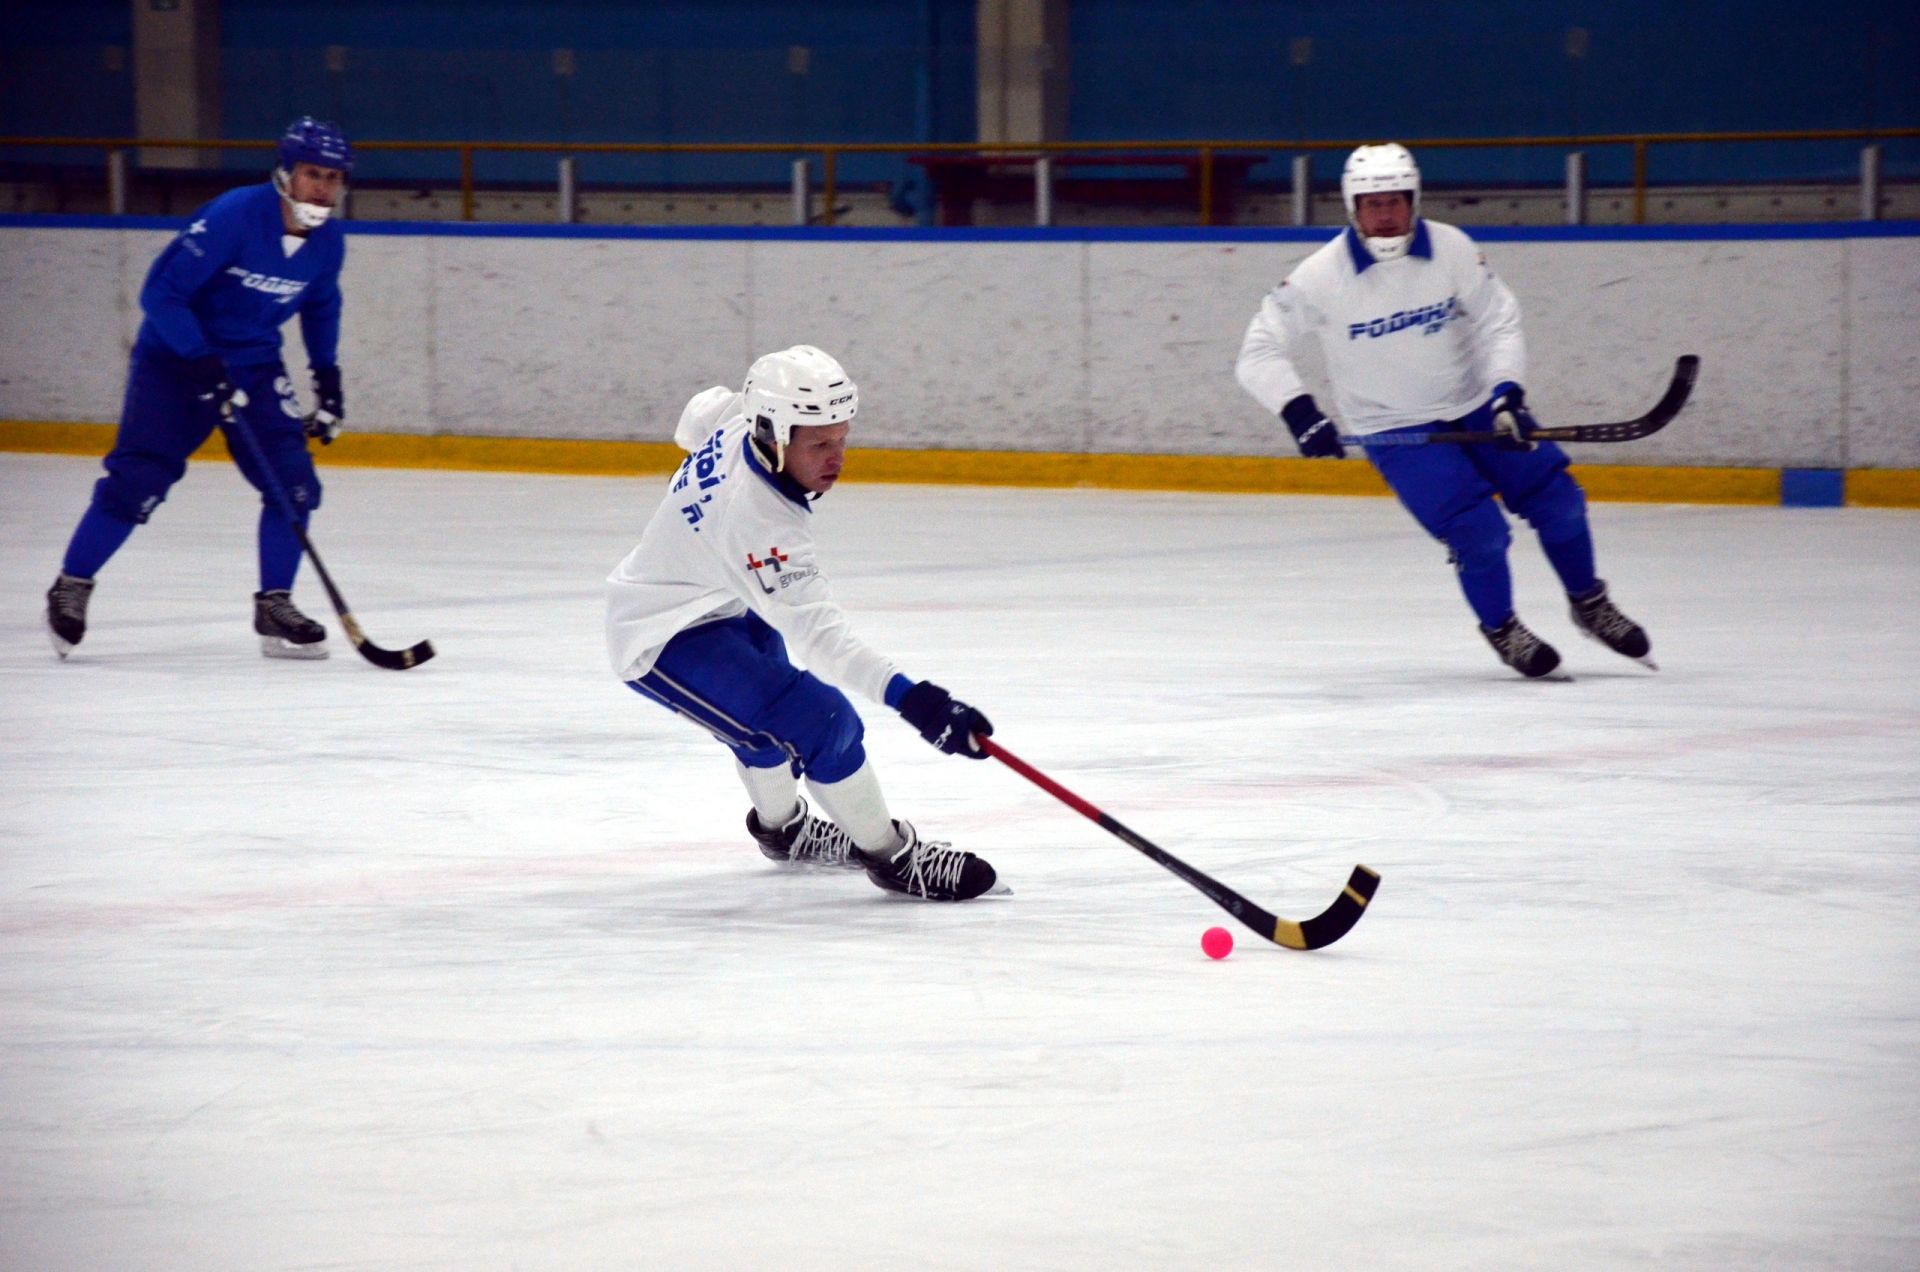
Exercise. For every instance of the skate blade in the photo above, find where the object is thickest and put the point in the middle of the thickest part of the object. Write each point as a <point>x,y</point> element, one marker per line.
<point>60,647</point>
<point>1646,661</point>
<point>277,647</point>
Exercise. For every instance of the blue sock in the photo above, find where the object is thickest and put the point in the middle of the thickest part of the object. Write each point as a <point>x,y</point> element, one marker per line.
<point>1572,560</point>
<point>280,551</point>
<point>1489,590</point>
<point>95,540</point>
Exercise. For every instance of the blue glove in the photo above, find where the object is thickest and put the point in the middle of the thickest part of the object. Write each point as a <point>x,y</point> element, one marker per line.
<point>211,383</point>
<point>1312,431</point>
<point>330,405</point>
<point>1513,423</point>
<point>944,720</point>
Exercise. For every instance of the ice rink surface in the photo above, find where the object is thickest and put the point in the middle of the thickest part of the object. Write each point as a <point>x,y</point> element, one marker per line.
<point>317,966</point>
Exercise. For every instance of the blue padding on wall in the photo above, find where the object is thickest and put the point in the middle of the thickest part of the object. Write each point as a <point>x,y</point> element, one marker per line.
<point>1813,487</point>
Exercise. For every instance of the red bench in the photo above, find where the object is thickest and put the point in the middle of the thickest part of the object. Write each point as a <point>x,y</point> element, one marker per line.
<point>959,179</point>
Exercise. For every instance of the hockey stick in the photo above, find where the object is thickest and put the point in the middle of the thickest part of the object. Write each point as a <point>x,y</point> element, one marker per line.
<point>1678,390</point>
<point>1321,930</point>
<point>391,659</point>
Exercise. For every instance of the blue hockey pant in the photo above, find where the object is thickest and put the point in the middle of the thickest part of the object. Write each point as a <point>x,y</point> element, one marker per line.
<point>733,679</point>
<point>1449,490</point>
<point>162,423</point>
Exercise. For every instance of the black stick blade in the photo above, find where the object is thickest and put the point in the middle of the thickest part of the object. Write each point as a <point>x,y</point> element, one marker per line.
<point>1334,922</point>
<point>391,659</point>
<point>1685,371</point>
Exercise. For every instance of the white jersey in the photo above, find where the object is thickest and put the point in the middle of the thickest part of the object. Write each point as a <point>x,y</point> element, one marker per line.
<point>1407,341</point>
<point>732,537</point>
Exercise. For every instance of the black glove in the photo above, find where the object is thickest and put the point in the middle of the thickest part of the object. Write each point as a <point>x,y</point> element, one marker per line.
<point>1513,423</point>
<point>1313,432</point>
<point>944,720</point>
<point>211,383</point>
<point>330,405</point>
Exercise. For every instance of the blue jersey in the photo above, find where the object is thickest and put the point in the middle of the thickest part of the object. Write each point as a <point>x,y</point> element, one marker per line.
<point>227,283</point>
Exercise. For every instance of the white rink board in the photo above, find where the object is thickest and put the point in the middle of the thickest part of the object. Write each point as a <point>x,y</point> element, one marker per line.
<point>1809,345</point>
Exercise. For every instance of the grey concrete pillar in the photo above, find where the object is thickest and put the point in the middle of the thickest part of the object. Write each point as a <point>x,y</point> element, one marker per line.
<point>1870,183</point>
<point>1577,188</point>
<point>117,182</point>
<point>176,78</point>
<point>1303,189</point>
<point>1043,191</point>
<point>1024,71</point>
<point>802,192</point>
<point>569,201</point>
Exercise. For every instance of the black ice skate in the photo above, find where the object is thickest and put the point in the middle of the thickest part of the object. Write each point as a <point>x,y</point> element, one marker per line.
<point>929,870</point>
<point>804,841</point>
<point>1520,649</point>
<point>1600,619</point>
<point>67,612</point>
<point>284,631</point>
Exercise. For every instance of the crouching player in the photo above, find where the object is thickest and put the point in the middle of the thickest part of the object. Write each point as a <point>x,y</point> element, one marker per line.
<point>699,615</point>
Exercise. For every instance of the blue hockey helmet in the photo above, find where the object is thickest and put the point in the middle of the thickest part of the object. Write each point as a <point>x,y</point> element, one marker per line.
<point>309,140</point>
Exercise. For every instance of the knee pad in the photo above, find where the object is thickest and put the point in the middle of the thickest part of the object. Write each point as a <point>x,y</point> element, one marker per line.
<point>295,475</point>
<point>135,485</point>
<point>304,494</point>
<point>823,728</point>
<point>1478,538</point>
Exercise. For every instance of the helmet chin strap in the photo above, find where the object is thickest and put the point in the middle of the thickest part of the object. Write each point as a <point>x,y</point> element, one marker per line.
<point>308,216</point>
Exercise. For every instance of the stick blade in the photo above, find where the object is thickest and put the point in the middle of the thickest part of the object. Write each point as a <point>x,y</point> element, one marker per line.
<point>1334,922</point>
<point>395,659</point>
<point>391,659</point>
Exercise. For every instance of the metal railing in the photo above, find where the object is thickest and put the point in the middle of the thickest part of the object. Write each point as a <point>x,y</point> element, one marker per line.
<point>830,152</point>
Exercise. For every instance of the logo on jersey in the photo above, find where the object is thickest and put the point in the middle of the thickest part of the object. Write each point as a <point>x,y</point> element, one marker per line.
<point>198,227</point>
<point>701,466</point>
<point>770,574</point>
<point>285,289</point>
<point>1429,318</point>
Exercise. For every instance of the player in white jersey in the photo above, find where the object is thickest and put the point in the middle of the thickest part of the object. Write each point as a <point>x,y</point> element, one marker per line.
<point>699,616</point>
<point>1419,335</point>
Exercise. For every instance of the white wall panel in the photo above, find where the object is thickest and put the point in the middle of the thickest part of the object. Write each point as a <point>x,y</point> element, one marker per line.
<point>1883,354</point>
<point>61,351</point>
<point>1811,347</point>
<point>967,346</point>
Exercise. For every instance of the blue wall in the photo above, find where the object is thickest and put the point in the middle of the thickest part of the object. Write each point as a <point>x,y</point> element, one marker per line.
<point>903,70</point>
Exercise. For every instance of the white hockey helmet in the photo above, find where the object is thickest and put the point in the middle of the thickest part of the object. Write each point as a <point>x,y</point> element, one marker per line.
<point>1382,169</point>
<point>795,386</point>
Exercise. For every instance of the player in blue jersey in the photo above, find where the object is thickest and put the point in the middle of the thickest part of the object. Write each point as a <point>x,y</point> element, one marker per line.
<point>209,351</point>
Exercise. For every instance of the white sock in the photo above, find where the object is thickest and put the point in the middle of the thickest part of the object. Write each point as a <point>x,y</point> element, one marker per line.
<point>774,792</point>
<point>857,807</point>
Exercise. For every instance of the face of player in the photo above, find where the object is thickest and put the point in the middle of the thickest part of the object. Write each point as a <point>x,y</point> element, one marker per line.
<point>815,455</point>
<point>1384,215</point>
<point>310,183</point>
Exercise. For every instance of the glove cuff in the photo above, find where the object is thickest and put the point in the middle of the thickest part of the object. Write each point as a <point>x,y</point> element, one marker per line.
<point>1301,413</point>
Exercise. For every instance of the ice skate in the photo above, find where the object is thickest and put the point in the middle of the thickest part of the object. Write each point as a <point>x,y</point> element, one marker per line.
<point>1521,650</point>
<point>284,631</point>
<point>67,612</point>
<point>1600,619</point>
<point>929,870</point>
<point>806,840</point>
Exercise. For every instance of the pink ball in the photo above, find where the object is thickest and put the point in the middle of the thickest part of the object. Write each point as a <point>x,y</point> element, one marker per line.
<point>1217,942</point>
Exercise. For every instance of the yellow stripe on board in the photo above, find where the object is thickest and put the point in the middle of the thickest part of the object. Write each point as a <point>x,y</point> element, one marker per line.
<point>1884,488</point>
